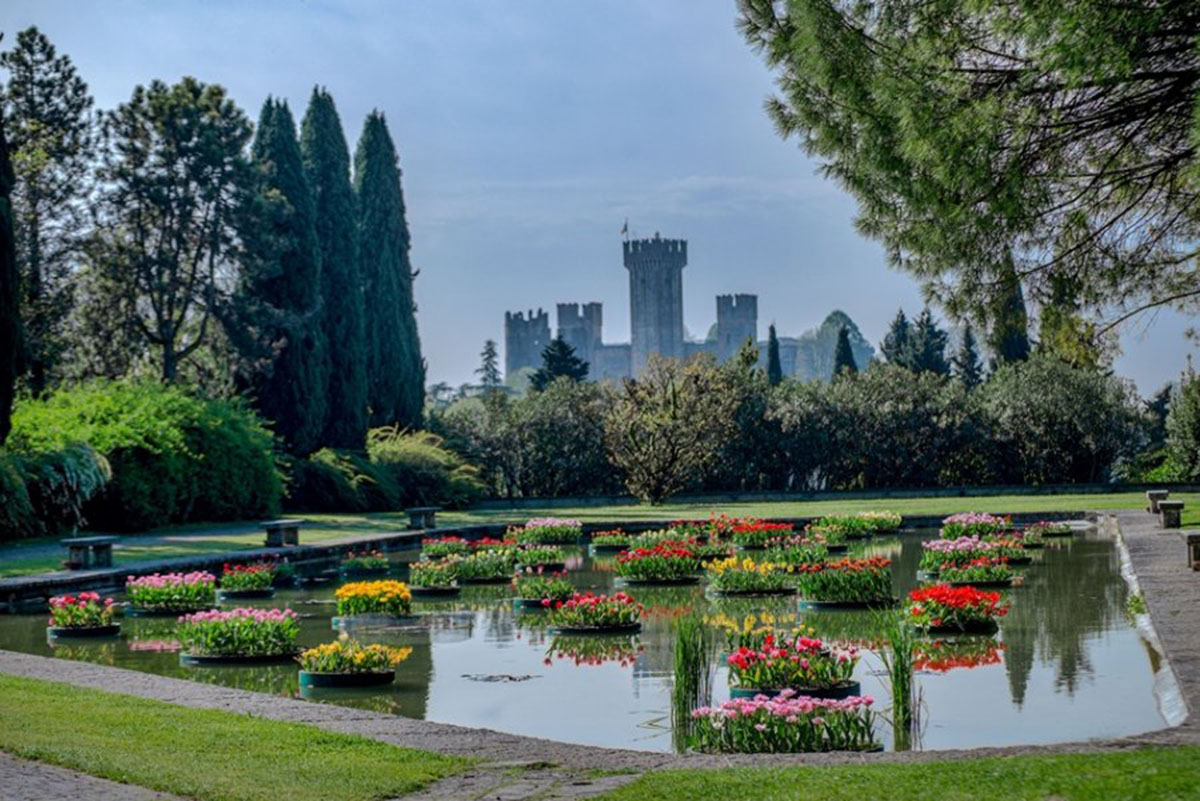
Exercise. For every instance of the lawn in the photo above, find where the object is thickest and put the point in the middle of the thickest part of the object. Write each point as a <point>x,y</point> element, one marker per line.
<point>202,753</point>
<point>1152,774</point>
<point>38,556</point>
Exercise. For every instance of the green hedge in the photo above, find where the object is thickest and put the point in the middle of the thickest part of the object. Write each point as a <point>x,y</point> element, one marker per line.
<point>45,493</point>
<point>175,456</point>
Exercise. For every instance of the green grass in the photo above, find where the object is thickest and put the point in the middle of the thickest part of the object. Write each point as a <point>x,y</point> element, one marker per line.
<point>39,556</point>
<point>203,753</point>
<point>1152,774</point>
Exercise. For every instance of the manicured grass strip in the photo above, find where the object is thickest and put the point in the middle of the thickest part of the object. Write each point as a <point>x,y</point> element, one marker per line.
<point>1152,774</point>
<point>202,753</point>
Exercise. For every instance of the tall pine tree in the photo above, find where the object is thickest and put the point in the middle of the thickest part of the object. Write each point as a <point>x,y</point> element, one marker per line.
<point>327,168</point>
<point>558,359</point>
<point>10,303</point>
<point>928,346</point>
<point>1009,336</point>
<point>489,366</point>
<point>282,279</point>
<point>967,365</point>
<point>774,366</point>
<point>896,345</point>
<point>843,354</point>
<point>395,370</point>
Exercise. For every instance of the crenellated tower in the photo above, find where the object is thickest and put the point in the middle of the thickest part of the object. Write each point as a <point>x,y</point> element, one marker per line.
<point>524,340</point>
<point>737,321</point>
<point>655,298</point>
<point>581,328</point>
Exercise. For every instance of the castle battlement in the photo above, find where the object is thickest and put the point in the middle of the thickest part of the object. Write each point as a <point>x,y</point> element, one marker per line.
<point>644,251</point>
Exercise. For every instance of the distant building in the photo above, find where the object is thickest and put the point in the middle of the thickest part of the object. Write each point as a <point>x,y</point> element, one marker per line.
<point>524,339</point>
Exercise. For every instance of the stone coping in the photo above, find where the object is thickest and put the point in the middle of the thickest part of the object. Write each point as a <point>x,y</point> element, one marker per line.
<point>1172,594</point>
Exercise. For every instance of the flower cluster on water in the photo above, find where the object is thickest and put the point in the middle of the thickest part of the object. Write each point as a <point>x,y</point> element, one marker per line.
<point>439,547</point>
<point>1045,528</point>
<point>254,576</point>
<point>487,564</point>
<point>667,561</point>
<point>779,661</point>
<point>82,611</point>
<point>960,550</point>
<point>535,584</point>
<point>963,608</point>
<point>374,598</point>
<point>974,524</point>
<point>348,656</point>
<point>748,576</point>
<point>365,560</point>
<point>977,571</point>
<point>549,530</point>
<point>239,632</point>
<point>756,533</point>
<point>942,656</point>
<point>613,538</point>
<point>436,574</point>
<point>785,723</point>
<point>535,555</point>
<point>795,550</point>
<point>836,529</point>
<point>172,592</point>
<point>587,610</point>
<point>847,580</point>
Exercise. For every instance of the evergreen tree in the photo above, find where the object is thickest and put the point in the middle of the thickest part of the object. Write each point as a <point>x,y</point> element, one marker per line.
<point>283,280</point>
<point>967,365</point>
<point>489,367</point>
<point>10,292</point>
<point>774,366</point>
<point>52,139</point>
<point>327,168</point>
<point>1009,336</point>
<point>395,370</point>
<point>558,359</point>
<point>897,345</point>
<point>843,354</point>
<point>928,346</point>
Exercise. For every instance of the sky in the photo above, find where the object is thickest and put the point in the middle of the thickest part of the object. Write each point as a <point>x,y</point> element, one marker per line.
<point>528,132</point>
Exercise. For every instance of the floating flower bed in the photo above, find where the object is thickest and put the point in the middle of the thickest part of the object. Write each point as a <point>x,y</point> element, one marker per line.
<point>540,589</point>
<point>733,576</point>
<point>1027,539</point>
<point>942,656</point>
<point>549,531</point>
<point>937,554</point>
<point>365,563</point>
<point>491,543</point>
<point>346,663</point>
<point>255,580</point>
<point>667,563</point>
<point>837,529</point>
<point>434,578</point>
<point>615,540</point>
<point>946,609</point>
<point>772,662</point>
<point>974,524</point>
<point>754,534</point>
<point>584,650</point>
<point>882,522</point>
<point>847,582</point>
<point>982,572</point>
<point>1045,529</point>
<point>796,551</point>
<point>784,724</point>
<point>490,566</point>
<point>596,614</point>
<point>82,615</point>
<point>547,557</point>
<point>238,635</point>
<point>390,598</point>
<point>172,593</point>
<point>441,547</point>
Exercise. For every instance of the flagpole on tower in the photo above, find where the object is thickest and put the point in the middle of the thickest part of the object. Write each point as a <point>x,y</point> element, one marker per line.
<point>625,229</point>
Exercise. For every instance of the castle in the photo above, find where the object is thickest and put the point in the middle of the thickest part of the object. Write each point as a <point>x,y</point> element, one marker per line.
<point>655,268</point>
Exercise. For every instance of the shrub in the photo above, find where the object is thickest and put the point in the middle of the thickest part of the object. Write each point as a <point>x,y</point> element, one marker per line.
<point>174,456</point>
<point>42,494</point>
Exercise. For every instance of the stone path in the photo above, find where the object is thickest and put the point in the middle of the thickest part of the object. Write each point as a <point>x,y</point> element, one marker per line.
<point>24,780</point>
<point>531,768</point>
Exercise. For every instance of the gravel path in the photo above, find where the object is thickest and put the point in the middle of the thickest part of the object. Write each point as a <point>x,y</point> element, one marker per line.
<point>528,768</point>
<point>23,780</point>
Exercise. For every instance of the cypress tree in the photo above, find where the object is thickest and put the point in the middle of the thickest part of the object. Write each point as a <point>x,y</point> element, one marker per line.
<point>10,288</point>
<point>896,346</point>
<point>928,346</point>
<point>489,366</point>
<point>283,279</point>
<point>843,354</point>
<point>327,169</point>
<point>1009,337</point>
<point>558,359</point>
<point>967,365</point>
<point>395,370</point>
<point>774,366</point>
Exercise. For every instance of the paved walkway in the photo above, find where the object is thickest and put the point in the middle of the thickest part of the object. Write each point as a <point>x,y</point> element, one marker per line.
<point>24,780</point>
<point>527,768</point>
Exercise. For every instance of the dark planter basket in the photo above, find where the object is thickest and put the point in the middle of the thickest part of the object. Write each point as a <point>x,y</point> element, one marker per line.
<point>844,691</point>
<point>985,585</point>
<point>238,595</point>
<point>506,579</point>
<point>806,603</point>
<point>1033,546</point>
<point>202,660</point>
<point>309,679</point>
<point>135,612</point>
<point>684,581</point>
<point>372,620</point>
<point>754,593</point>
<point>842,548</point>
<point>532,604</point>
<point>628,628</point>
<point>980,627</point>
<point>434,592</point>
<point>1021,561</point>
<point>1058,536</point>
<point>84,631</point>
<point>362,572</point>
<point>609,548</point>
<point>548,567</point>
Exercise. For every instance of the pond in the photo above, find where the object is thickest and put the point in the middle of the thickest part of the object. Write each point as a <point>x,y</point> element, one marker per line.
<point>1067,664</point>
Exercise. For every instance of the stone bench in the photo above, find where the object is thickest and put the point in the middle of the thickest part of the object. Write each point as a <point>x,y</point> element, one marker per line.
<point>1192,540</point>
<point>88,552</point>
<point>423,516</point>
<point>281,533</point>
<point>1154,498</point>
<point>1169,513</point>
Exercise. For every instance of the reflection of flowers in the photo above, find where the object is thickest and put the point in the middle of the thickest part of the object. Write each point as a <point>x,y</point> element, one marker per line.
<point>163,646</point>
<point>590,650</point>
<point>941,656</point>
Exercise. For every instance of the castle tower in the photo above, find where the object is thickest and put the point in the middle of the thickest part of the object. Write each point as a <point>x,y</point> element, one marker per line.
<point>737,321</point>
<point>581,328</point>
<point>524,340</point>
<point>655,298</point>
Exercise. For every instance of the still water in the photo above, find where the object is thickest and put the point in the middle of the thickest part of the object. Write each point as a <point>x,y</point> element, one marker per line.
<point>1066,665</point>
